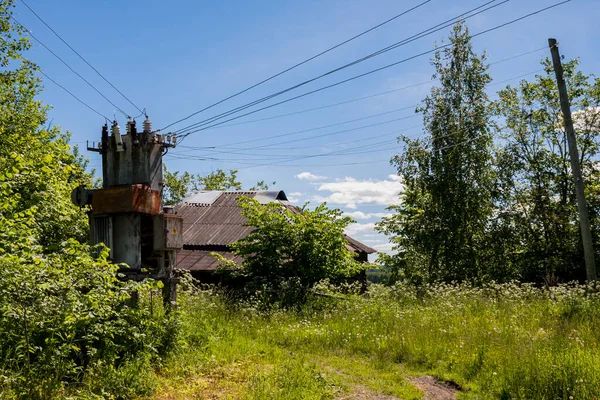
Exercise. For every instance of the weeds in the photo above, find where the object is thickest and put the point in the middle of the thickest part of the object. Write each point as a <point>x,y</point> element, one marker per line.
<point>497,341</point>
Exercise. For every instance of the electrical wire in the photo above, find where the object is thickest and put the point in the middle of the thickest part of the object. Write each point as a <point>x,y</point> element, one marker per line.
<point>367,97</point>
<point>81,57</point>
<point>206,148</point>
<point>403,42</point>
<point>75,97</point>
<point>342,152</point>
<point>297,65</point>
<point>68,66</point>
<point>379,69</point>
<point>337,132</point>
<point>192,148</point>
<point>323,127</point>
<point>241,151</point>
<point>326,106</point>
<point>253,165</point>
<point>335,165</point>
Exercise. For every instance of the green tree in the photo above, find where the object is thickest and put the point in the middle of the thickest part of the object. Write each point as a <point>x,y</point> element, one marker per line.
<point>36,161</point>
<point>439,229</point>
<point>289,250</point>
<point>537,210</point>
<point>64,327</point>
<point>261,185</point>
<point>178,185</point>
<point>218,180</point>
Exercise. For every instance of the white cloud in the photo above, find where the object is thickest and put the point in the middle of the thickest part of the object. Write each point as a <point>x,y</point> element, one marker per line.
<point>355,228</point>
<point>294,197</point>
<point>310,177</point>
<point>383,247</point>
<point>361,215</point>
<point>351,192</point>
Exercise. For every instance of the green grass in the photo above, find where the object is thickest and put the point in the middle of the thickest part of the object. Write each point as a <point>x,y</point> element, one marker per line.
<point>502,341</point>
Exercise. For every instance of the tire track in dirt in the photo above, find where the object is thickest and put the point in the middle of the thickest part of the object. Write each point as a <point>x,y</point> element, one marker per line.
<point>435,389</point>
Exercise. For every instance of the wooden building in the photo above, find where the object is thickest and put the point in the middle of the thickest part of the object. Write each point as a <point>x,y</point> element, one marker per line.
<point>212,221</point>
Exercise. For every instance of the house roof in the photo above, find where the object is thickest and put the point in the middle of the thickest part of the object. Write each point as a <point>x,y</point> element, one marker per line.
<point>212,220</point>
<point>201,260</point>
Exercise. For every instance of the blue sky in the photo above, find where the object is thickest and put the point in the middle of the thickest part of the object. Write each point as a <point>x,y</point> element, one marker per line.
<point>177,57</point>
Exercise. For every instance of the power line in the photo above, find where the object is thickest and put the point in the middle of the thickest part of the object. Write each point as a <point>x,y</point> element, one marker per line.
<point>298,64</point>
<point>357,163</point>
<point>519,55</point>
<point>270,148</point>
<point>68,66</point>
<point>80,56</point>
<point>299,147</point>
<point>403,42</point>
<point>323,127</point>
<point>378,69</point>
<point>336,132</point>
<point>337,152</point>
<point>252,165</point>
<point>327,106</point>
<point>374,95</point>
<point>331,134</point>
<point>75,97</point>
<point>341,152</point>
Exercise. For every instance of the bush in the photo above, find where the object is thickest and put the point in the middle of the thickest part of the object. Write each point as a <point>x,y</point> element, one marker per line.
<point>289,250</point>
<point>66,316</point>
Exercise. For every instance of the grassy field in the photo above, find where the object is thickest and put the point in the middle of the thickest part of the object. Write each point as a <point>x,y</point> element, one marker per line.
<point>501,341</point>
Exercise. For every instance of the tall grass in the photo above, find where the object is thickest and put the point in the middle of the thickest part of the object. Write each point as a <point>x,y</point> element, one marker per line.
<point>504,341</point>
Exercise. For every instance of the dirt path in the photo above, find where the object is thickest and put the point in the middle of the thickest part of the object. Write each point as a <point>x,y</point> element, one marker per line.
<point>362,393</point>
<point>434,389</point>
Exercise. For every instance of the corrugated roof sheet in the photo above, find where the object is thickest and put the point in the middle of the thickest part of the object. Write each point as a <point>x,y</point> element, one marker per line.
<point>220,223</point>
<point>359,246</point>
<point>209,197</point>
<point>201,260</point>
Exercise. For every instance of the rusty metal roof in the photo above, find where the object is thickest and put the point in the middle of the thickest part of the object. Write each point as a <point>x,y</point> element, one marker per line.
<point>214,218</point>
<point>201,260</point>
<point>357,246</point>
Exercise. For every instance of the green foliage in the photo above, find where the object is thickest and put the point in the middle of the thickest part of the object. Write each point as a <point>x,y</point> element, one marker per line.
<point>498,341</point>
<point>178,185</point>
<point>261,185</point>
<point>439,227</point>
<point>537,222</point>
<point>219,180</point>
<point>289,250</point>
<point>478,212</point>
<point>62,316</point>
<point>292,379</point>
<point>65,326</point>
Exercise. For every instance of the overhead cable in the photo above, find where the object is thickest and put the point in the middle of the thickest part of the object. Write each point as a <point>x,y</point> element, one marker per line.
<point>366,97</point>
<point>299,64</point>
<point>68,66</point>
<point>81,57</point>
<point>382,68</point>
<point>395,45</point>
<point>75,97</point>
<point>241,151</point>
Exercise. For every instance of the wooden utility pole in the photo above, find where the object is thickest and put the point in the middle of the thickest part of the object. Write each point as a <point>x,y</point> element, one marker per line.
<point>584,221</point>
